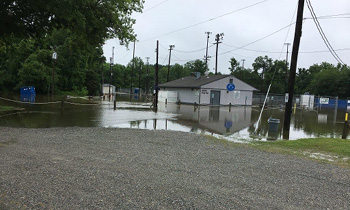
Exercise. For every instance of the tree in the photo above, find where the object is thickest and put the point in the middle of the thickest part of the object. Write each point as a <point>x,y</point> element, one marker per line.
<point>248,76</point>
<point>35,73</point>
<point>196,66</point>
<point>91,20</point>
<point>264,65</point>
<point>302,80</point>
<point>234,64</point>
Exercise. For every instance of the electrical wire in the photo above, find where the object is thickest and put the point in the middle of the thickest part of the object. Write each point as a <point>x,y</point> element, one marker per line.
<point>237,53</point>
<point>323,35</point>
<point>220,16</point>
<point>143,12</point>
<point>273,33</point>
<point>164,60</point>
<point>193,51</point>
<point>274,52</point>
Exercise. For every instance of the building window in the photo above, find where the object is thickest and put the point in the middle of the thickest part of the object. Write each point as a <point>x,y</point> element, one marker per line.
<point>231,81</point>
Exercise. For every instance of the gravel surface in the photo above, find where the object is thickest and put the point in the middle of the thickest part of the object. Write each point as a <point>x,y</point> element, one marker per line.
<point>107,168</point>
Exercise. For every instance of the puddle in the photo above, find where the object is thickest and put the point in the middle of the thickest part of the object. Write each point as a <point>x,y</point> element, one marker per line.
<point>236,124</point>
<point>321,156</point>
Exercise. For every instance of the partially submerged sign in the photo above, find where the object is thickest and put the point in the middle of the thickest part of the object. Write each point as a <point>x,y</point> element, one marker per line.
<point>324,100</point>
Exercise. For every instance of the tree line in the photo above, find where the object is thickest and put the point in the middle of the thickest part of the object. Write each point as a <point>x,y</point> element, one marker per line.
<point>82,68</point>
<point>31,31</point>
<point>323,79</point>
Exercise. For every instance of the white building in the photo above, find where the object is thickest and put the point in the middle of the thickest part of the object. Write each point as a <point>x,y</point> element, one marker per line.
<point>207,90</point>
<point>307,101</point>
<point>108,89</point>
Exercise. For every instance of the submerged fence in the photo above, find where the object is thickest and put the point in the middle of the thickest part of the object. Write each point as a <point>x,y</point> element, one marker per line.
<point>318,102</point>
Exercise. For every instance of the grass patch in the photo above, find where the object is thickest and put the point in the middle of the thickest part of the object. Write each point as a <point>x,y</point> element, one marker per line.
<point>322,149</point>
<point>6,108</point>
<point>328,150</point>
<point>340,147</point>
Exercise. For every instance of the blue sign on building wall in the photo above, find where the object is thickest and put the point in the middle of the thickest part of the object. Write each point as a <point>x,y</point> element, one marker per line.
<point>230,87</point>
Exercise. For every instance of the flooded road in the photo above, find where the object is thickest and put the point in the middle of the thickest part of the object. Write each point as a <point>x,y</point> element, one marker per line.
<point>235,124</point>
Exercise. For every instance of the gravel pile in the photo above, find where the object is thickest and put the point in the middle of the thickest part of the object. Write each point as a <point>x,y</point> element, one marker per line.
<point>107,168</point>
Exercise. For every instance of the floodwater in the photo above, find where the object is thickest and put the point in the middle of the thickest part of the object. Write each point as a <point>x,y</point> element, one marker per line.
<point>236,124</point>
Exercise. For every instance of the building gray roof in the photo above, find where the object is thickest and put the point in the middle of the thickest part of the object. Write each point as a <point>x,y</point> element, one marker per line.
<point>192,81</point>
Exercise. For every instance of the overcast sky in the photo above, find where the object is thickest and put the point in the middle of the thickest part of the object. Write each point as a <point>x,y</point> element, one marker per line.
<point>242,24</point>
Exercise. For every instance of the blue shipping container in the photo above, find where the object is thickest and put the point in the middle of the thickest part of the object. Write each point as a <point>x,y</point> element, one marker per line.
<point>28,90</point>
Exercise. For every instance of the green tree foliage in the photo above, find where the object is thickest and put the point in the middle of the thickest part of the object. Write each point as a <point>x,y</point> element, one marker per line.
<point>34,72</point>
<point>248,76</point>
<point>330,80</point>
<point>92,20</point>
<point>196,66</point>
<point>263,65</point>
<point>76,30</point>
<point>234,65</point>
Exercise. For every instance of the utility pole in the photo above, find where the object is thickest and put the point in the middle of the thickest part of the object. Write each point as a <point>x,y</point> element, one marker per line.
<point>147,79</point>
<point>140,79</point>
<point>243,63</point>
<point>206,53</point>
<point>171,47</point>
<point>54,57</point>
<point>293,67</point>
<point>102,80</point>
<point>111,73</point>
<point>217,39</point>
<point>132,69</point>
<point>286,66</point>
<point>155,103</point>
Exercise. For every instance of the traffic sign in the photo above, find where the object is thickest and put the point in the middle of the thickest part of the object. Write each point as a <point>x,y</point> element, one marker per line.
<point>230,87</point>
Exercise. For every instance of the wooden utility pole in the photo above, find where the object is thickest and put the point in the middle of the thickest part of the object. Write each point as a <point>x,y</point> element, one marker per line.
<point>155,103</point>
<point>102,80</point>
<point>140,79</point>
<point>217,39</point>
<point>287,65</point>
<point>293,68</point>
<point>171,47</point>
<point>54,57</point>
<point>206,52</point>
<point>132,69</point>
<point>111,73</point>
<point>147,79</point>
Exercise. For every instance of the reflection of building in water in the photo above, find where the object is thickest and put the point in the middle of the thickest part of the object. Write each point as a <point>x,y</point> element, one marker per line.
<point>214,119</point>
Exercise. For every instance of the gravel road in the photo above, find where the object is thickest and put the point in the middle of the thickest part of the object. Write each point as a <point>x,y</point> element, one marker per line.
<point>107,168</point>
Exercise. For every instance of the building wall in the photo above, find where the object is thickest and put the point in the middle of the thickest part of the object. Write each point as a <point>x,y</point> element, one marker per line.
<point>239,96</point>
<point>185,95</point>
<point>236,97</point>
<point>168,96</point>
<point>106,89</point>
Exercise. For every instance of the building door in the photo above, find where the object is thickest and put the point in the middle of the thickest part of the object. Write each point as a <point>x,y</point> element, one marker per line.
<point>214,97</point>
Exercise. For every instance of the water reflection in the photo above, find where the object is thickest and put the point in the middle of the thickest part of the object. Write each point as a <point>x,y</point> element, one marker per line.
<point>235,123</point>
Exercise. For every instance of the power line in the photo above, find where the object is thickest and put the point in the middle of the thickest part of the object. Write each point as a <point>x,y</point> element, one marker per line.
<point>323,51</point>
<point>193,51</point>
<point>165,59</point>
<point>143,12</point>
<point>275,52</point>
<point>273,33</point>
<point>221,48</point>
<point>220,16</point>
<point>332,16</point>
<point>319,28</point>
